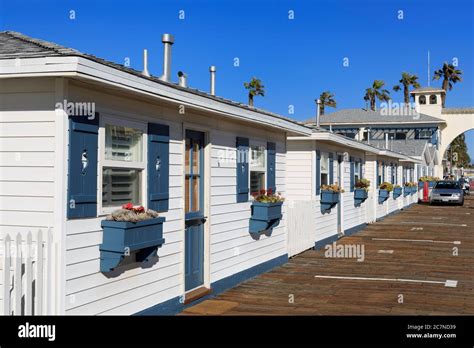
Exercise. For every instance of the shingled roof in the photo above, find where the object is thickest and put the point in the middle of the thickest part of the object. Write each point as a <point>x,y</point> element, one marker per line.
<point>364,116</point>
<point>15,45</point>
<point>407,147</point>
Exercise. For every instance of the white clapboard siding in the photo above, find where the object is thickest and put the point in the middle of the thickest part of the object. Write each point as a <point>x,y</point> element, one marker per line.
<point>26,274</point>
<point>301,226</point>
<point>232,247</point>
<point>27,172</point>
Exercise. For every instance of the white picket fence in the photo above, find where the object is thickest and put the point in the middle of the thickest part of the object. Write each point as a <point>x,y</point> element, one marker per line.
<point>301,226</point>
<point>26,268</point>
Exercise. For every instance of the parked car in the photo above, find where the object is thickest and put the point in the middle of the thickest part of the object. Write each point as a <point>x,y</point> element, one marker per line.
<point>447,191</point>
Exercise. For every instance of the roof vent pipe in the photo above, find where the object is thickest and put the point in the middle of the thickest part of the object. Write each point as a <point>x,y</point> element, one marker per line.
<point>386,141</point>
<point>318,102</point>
<point>167,40</point>
<point>212,70</point>
<point>183,79</point>
<point>145,63</point>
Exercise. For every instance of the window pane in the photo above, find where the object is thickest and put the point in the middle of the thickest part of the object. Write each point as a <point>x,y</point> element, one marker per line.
<point>195,203</point>
<point>120,186</point>
<point>123,144</point>
<point>187,155</point>
<point>324,163</point>
<point>257,181</point>
<point>196,158</point>
<point>257,157</point>
<point>186,194</point>
<point>324,179</point>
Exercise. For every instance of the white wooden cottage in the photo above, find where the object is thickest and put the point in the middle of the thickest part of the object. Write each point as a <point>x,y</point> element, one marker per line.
<point>80,136</point>
<point>327,158</point>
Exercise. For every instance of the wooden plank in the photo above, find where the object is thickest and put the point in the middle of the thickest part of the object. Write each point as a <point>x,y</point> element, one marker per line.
<point>292,289</point>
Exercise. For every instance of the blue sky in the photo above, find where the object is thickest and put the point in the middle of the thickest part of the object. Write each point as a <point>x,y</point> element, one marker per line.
<point>296,59</point>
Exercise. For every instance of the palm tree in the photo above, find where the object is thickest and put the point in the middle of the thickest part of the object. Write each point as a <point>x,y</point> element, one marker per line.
<point>327,99</point>
<point>255,88</point>
<point>376,92</point>
<point>406,81</point>
<point>450,76</point>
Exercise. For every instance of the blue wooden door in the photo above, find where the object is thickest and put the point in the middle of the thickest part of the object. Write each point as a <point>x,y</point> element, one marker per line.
<point>194,210</point>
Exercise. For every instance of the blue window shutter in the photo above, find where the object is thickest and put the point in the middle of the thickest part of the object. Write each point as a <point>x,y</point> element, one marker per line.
<point>158,166</point>
<point>243,159</point>
<point>383,172</point>
<point>271,166</point>
<point>352,164</point>
<point>318,172</point>
<point>377,173</point>
<point>82,167</point>
<point>331,169</point>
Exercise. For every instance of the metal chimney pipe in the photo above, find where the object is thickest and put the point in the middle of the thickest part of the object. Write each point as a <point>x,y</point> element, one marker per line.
<point>167,40</point>
<point>183,79</point>
<point>386,141</point>
<point>318,102</point>
<point>212,70</point>
<point>145,63</point>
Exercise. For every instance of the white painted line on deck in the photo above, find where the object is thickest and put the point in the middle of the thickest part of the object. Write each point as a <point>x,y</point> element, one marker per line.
<point>419,240</point>
<point>424,223</point>
<point>447,283</point>
<point>385,251</point>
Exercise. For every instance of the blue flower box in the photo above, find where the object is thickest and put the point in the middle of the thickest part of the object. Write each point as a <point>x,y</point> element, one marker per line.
<point>431,184</point>
<point>265,216</point>
<point>328,200</point>
<point>383,196</point>
<point>121,238</point>
<point>397,192</point>
<point>421,184</point>
<point>406,191</point>
<point>413,190</point>
<point>360,195</point>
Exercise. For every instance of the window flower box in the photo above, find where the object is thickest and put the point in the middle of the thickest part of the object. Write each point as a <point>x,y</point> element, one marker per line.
<point>141,236</point>
<point>397,192</point>
<point>383,195</point>
<point>328,200</point>
<point>407,191</point>
<point>384,191</point>
<point>360,195</point>
<point>265,211</point>
<point>265,216</point>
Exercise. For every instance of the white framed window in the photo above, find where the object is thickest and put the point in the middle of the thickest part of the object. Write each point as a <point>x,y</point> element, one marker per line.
<point>357,171</point>
<point>122,164</point>
<point>257,168</point>
<point>324,163</point>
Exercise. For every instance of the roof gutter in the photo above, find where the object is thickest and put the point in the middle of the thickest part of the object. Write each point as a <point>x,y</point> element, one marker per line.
<point>74,66</point>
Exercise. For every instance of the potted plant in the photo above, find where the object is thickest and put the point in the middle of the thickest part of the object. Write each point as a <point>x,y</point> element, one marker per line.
<point>131,229</point>
<point>397,191</point>
<point>410,188</point>
<point>361,189</point>
<point>431,180</point>
<point>384,191</point>
<point>265,211</point>
<point>330,196</point>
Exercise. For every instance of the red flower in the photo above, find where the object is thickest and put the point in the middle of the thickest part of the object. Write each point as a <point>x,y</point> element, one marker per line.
<point>139,209</point>
<point>262,192</point>
<point>269,192</point>
<point>128,206</point>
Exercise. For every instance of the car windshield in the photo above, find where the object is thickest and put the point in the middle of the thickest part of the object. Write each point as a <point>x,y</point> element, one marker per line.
<point>447,185</point>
